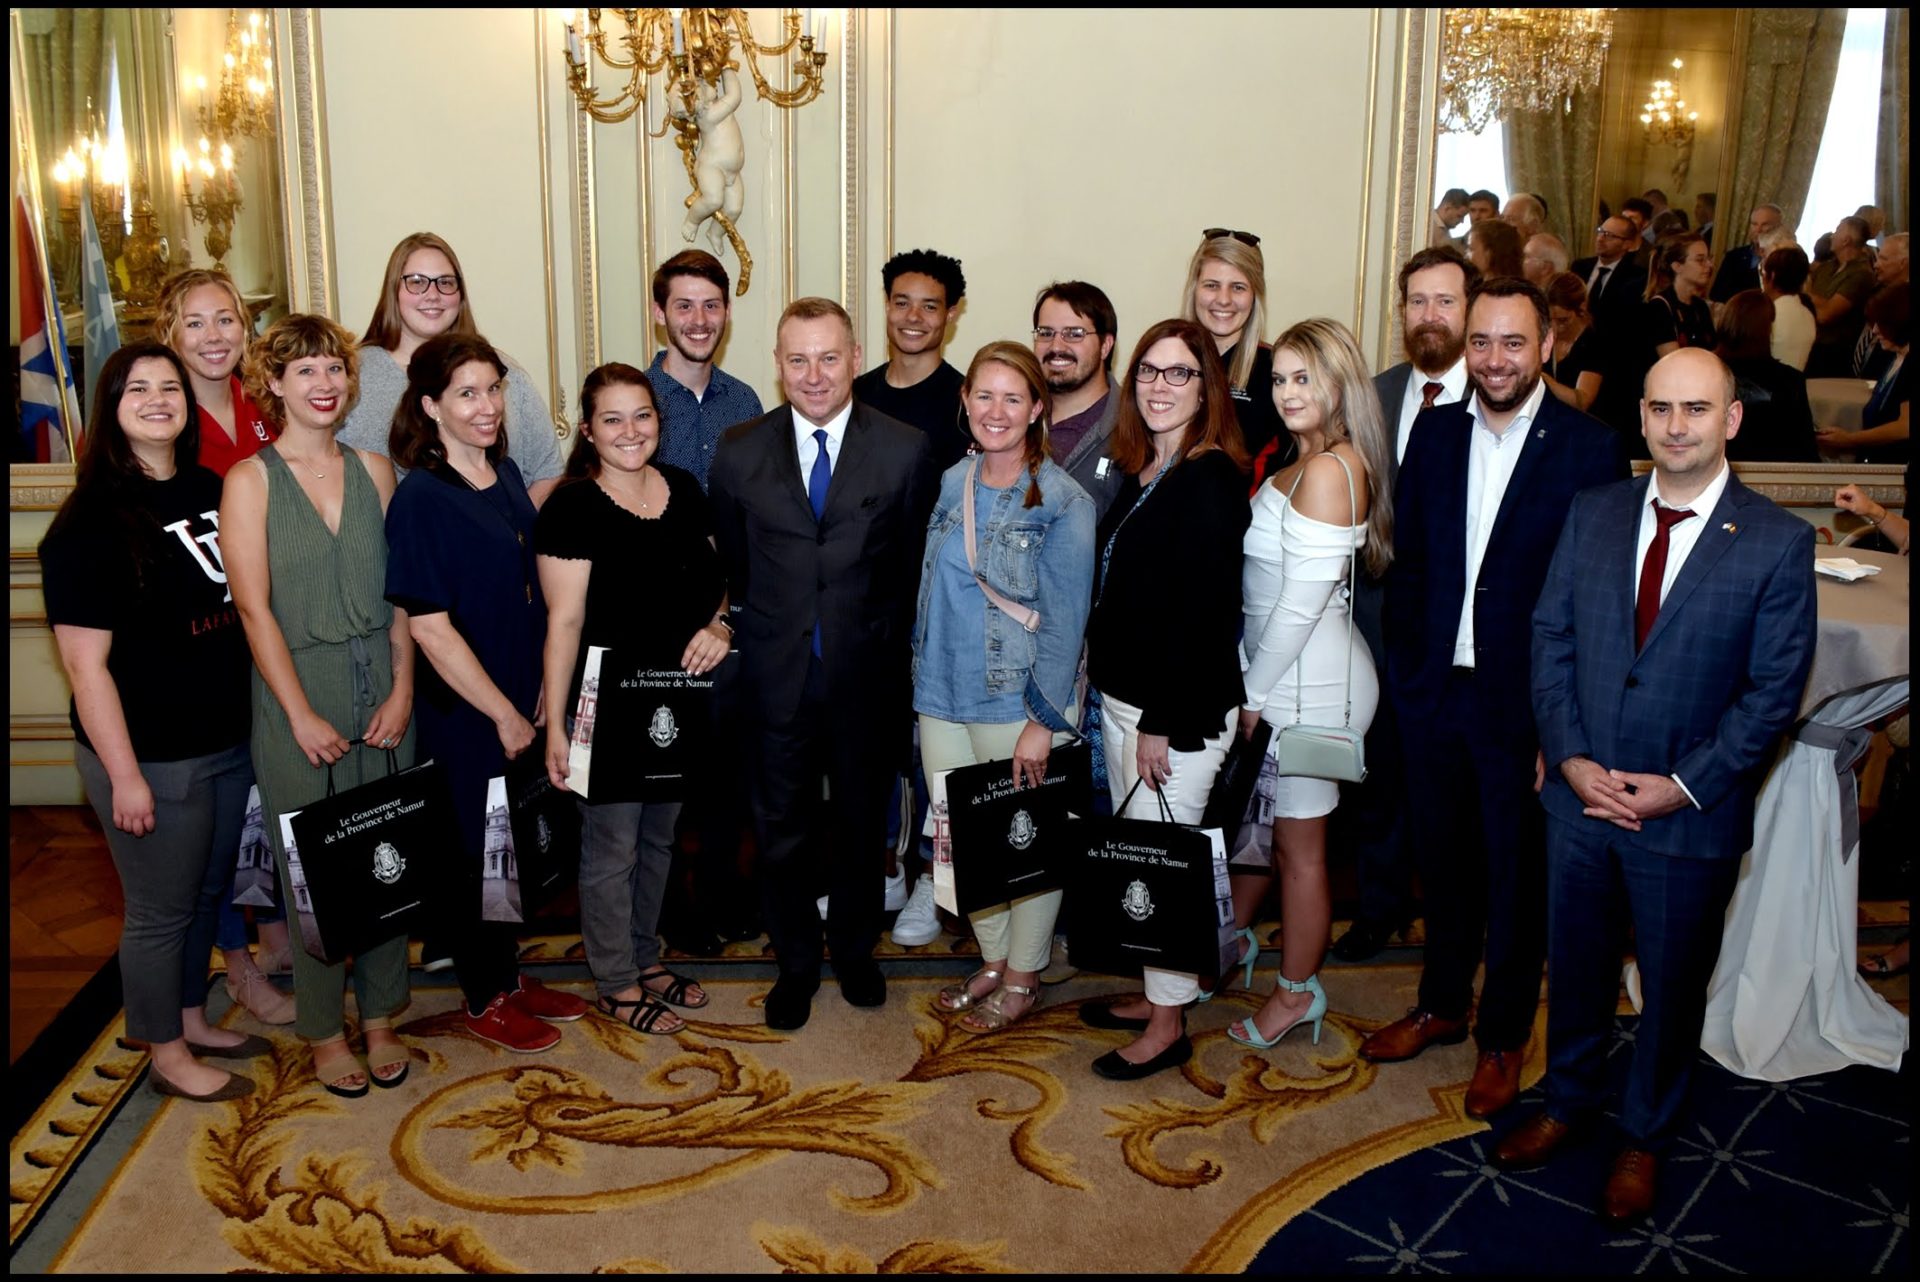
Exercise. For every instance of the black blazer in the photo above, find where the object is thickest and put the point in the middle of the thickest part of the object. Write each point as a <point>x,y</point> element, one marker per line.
<point>1566,452</point>
<point>855,571</point>
<point>1625,286</point>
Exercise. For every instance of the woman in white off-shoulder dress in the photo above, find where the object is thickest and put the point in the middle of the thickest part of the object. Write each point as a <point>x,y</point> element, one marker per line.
<point>1305,662</point>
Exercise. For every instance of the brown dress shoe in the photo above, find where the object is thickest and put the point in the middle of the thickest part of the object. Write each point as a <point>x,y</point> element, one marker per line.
<point>1629,1192</point>
<point>1531,1143</point>
<point>1496,1081</point>
<point>1405,1038</point>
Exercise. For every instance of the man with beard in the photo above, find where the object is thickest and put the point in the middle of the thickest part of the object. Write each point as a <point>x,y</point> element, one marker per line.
<point>1073,333</point>
<point>1433,318</point>
<point>1740,269</point>
<point>1483,492</point>
<point>697,400</point>
<point>1615,280</point>
<point>914,384</point>
<point>1670,646</point>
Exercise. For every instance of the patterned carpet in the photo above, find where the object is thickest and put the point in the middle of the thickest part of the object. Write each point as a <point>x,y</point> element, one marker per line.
<point>892,1141</point>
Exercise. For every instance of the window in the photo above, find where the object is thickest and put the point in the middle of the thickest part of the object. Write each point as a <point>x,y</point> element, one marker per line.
<point>1476,161</point>
<point>1844,171</point>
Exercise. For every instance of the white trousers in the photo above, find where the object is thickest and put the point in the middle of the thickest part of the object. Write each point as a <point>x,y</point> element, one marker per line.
<point>1186,788</point>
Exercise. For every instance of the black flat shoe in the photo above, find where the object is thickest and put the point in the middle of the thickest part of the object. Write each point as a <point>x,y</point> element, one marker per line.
<point>790,1004</point>
<point>1363,941</point>
<point>1100,1015</point>
<point>1116,1069</point>
<point>861,983</point>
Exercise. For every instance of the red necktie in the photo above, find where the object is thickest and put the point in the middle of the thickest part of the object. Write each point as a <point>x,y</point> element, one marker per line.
<point>1429,392</point>
<point>1646,606</point>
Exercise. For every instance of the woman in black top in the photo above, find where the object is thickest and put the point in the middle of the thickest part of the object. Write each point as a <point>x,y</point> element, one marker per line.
<point>1226,295</point>
<point>1676,313</point>
<point>460,563</point>
<point>1163,640</point>
<point>137,595</point>
<point>1574,371</point>
<point>626,555</point>
<point>1886,422</point>
<point>1776,422</point>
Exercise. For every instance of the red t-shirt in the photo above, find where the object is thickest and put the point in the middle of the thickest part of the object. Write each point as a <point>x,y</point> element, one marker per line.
<point>251,433</point>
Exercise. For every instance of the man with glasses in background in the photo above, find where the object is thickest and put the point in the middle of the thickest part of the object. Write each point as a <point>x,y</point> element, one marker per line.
<point>1615,280</point>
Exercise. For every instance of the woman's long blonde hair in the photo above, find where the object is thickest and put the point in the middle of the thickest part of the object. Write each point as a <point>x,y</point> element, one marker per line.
<point>1251,263</point>
<point>1341,384</point>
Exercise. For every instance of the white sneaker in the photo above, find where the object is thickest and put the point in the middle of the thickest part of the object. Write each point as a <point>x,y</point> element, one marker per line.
<point>821,903</point>
<point>917,923</point>
<point>896,896</point>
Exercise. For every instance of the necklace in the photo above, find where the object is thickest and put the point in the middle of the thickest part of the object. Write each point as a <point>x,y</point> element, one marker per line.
<point>638,496</point>
<point>308,467</point>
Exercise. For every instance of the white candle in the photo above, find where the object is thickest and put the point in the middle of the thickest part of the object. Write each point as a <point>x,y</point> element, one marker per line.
<point>679,42</point>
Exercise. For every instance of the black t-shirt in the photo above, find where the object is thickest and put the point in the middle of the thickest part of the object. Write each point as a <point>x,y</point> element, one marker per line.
<point>1585,354</point>
<point>654,583</point>
<point>179,657</point>
<point>1668,320</point>
<point>1260,424</point>
<point>932,405</point>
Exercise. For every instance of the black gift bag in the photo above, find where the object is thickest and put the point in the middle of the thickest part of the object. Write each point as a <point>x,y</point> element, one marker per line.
<point>532,847</point>
<point>1229,803</point>
<point>1010,842</point>
<point>374,860</point>
<point>1147,893</point>
<point>640,732</point>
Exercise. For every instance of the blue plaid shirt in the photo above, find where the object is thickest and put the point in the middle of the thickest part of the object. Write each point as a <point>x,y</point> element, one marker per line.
<point>693,425</point>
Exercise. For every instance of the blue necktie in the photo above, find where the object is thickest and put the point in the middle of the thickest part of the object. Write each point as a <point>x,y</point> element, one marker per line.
<point>817,499</point>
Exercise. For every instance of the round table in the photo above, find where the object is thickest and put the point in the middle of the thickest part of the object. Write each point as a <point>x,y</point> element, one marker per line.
<point>1839,402</point>
<point>1863,635</point>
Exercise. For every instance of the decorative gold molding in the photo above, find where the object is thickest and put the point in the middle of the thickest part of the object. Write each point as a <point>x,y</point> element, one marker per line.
<point>850,249</point>
<point>38,487</point>
<point>643,177</point>
<point>557,398</point>
<point>311,284</point>
<point>587,235</point>
<point>1419,57</point>
<point>1366,172</point>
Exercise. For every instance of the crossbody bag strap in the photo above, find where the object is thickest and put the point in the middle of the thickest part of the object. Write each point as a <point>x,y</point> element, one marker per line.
<point>1353,569</point>
<point>1026,616</point>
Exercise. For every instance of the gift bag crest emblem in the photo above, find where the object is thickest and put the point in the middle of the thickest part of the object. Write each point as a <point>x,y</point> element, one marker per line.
<point>1137,902</point>
<point>663,729</point>
<point>388,866</point>
<point>1023,831</point>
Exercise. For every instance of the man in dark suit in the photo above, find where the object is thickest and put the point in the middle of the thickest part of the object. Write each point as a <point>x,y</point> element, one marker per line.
<point>1740,269</point>
<point>1670,647</point>
<point>820,512</point>
<point>1482,495</point>
<point>1615,277</point>
<point>1433,326</point>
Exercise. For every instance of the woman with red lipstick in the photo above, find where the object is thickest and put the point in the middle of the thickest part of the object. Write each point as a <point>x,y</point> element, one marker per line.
<point>462,570</point>
<point>306,556</point>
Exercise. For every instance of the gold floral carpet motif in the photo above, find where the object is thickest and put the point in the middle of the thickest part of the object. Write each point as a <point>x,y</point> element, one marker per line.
<point>886,1140</point>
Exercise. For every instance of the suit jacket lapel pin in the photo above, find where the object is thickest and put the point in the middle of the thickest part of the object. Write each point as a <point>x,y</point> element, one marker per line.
<point>1731,528</point>
<point>1540,435</point>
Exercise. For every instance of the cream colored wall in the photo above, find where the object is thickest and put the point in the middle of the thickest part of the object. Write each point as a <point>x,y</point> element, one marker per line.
<point>1038,145</point>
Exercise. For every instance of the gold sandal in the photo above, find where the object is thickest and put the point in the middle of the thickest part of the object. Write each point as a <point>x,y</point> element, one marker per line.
<point>386,1057</point>
<point>991,1016</point>
<point>955,998</point>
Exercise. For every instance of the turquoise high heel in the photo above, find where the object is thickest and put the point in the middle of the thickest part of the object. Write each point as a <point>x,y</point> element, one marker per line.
<point>1247,964</point>
<point>1315,1013</point>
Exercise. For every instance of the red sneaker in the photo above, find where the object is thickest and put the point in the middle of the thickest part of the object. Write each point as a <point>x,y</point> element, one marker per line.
<point>504,1023</point>
<point>550,1004</point>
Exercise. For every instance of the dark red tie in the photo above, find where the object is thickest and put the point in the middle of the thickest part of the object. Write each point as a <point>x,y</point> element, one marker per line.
<point>1429,392</point>
<point>1646,606</point>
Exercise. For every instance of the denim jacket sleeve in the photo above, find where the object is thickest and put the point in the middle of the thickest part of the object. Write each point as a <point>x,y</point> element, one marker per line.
<point>1065,579</point>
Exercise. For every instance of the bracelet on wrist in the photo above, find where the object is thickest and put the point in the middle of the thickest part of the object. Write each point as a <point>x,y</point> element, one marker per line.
<point>724,622</point>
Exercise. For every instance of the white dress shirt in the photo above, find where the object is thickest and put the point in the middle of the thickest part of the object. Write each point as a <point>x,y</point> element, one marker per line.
<point>1453,386</point>
<point>1491,458</point>
<point>1681,538</point>
<point>808,448</point>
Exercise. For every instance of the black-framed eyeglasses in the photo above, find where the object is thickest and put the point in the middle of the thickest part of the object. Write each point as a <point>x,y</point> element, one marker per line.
<point>1244,237</point>
<point>1611,235</point>
<point>415,283</point>
<point>1072,333</point>
<point>1176,375</point>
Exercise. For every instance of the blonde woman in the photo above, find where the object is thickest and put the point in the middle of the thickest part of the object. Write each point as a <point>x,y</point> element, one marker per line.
<point>987,686</point>
<point>1305,661</point>
<point>1226,295</point>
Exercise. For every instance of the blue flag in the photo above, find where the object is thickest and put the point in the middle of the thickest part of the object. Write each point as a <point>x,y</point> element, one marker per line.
<point>102,328</point>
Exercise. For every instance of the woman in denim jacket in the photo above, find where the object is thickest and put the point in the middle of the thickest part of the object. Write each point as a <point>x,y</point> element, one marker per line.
<point>996,657</point>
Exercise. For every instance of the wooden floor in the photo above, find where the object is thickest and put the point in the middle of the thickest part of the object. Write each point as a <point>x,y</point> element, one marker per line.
<point>63,913</point>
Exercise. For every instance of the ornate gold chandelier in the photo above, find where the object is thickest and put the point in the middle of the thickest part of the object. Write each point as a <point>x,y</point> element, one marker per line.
<point>693,51</point>
<point>1495,62</point>
<point>1665,113</point>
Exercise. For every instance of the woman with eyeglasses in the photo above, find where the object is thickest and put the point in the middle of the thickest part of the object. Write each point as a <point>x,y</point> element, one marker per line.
<point>1163,639</point>
<point>1226,295</point>
<point>423,296</point>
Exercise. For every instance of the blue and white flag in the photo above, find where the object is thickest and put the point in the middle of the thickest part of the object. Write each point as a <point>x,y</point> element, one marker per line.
<point>103,327</point>
<point>46,380</point>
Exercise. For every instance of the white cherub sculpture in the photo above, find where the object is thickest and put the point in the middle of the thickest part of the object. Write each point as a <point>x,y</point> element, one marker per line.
<point>717,163</point>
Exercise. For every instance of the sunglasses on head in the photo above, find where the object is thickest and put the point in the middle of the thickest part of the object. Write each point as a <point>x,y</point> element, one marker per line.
<point>1244,237</point>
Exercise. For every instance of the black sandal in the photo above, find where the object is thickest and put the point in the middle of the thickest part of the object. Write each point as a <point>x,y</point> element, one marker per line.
<point>640,1016</point>
<point>675,994</point>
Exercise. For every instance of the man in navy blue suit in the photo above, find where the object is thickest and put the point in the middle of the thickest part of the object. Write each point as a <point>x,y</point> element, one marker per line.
<point>1482,494</point>
<point>1670,647</point>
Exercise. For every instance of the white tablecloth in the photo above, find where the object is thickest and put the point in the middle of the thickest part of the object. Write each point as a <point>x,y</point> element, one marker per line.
<point>1839,402</point>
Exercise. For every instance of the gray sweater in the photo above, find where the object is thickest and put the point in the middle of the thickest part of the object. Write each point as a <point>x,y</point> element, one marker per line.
<point>530,440</point>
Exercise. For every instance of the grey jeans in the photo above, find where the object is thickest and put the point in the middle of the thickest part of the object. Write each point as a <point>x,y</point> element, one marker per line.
<point>626,852</point>
<point>173,879</point>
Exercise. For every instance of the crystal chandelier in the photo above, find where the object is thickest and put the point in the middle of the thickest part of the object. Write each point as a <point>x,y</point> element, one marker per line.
<point>1495,62</point>
<point>1665,113</point>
